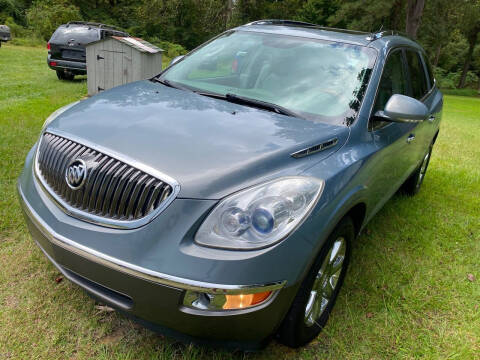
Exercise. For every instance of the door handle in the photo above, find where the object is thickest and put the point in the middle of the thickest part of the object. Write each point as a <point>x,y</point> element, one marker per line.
<point>431,118</point>
<point>410,138</point>
<point>99,57</point>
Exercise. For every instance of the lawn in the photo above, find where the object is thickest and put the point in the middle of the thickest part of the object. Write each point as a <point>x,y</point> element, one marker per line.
<point>412,290</point>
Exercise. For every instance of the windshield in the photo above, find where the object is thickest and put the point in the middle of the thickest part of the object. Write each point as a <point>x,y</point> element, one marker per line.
<point>81,34</point>
<point>319,80</point>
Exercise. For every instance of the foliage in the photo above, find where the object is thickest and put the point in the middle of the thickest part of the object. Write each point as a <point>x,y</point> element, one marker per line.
<point>318,11</point>
<point>15,29</point>
<point>449,80</point>
<point>46,16</point>
<point>171,50</point>
<point>462,92</point>
<point>9,9</point>
<point>447,28</point>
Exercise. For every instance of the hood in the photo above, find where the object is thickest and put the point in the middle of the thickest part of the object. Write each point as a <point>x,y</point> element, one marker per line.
<point>210,146</point>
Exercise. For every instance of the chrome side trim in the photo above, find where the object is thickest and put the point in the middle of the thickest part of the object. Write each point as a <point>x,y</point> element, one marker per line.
<point>100,220</point>
<point>135,270</point>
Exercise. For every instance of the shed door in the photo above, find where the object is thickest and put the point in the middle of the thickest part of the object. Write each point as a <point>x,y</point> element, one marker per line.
<point>109,69</point>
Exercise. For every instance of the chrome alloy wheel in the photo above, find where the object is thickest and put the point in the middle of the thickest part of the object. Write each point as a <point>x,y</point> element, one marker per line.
<point>423,169</point>
<point>326,281</point>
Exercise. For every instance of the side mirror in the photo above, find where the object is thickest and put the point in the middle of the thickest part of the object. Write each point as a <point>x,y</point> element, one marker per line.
<point>401,108</point>
<point>176,59</point>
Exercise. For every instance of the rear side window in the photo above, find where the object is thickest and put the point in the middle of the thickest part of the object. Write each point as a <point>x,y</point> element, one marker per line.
<point>80,34</point>
<point>393,80</point>
<point>417,75</point>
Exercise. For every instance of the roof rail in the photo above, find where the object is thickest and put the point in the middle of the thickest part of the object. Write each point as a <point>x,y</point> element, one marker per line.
<point>378,35</point>
<point>280,22</point>
<point>100,25</point>
<point>304,24</point>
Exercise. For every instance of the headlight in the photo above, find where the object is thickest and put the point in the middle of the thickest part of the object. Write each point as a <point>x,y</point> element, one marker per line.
<point>57,112</point>
<point>260,216</point>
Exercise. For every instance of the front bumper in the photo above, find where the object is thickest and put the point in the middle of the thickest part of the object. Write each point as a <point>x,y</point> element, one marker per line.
<point>156,299</point>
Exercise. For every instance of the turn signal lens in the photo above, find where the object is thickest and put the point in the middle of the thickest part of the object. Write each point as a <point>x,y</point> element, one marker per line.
<point>245,300</point>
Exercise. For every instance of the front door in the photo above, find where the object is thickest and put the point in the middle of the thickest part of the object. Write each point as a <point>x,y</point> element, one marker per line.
<point>395,142</point>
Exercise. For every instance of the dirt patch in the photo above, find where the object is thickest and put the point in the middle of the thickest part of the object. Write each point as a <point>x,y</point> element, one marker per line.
<point>11,302</point>
<point>112,338</point>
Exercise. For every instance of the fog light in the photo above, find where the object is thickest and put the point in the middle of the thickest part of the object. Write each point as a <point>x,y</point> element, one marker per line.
<point>219,302</point>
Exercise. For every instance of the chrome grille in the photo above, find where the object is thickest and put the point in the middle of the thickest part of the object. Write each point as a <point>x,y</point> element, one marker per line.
<point>112,190</point>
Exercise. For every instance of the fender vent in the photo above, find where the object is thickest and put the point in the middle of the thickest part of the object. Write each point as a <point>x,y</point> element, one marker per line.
<point>315,148</point>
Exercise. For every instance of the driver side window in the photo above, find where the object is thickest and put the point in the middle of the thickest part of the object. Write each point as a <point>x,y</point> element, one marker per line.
<point>393,82</point>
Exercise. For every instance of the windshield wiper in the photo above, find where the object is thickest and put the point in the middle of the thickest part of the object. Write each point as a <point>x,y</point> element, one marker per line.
<point>261,104</point>
<point>233,98</point>
<point>170,84</point>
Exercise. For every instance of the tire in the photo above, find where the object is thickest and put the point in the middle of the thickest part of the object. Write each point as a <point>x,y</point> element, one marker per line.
<point>298,328</point>
<point>412,185</point>
<point>65,75</point>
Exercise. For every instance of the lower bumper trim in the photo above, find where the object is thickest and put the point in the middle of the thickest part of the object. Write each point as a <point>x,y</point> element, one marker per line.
<point>117,299</point>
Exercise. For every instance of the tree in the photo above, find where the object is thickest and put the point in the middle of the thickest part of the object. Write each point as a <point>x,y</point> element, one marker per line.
<point>46,16</point>
<point>317,11</point>
<point>438,26</point>
<point>371,16</point>
<point>414,17</point>
<point>470,27</point>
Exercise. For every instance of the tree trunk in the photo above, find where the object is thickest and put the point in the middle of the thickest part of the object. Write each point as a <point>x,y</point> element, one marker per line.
<point>414,16</point>
<point>472,41</point>
<point>437,56</point>
<point>228,12</point>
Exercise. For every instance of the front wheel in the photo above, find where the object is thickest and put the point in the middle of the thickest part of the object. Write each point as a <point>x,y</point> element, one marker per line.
<point>317,294</point>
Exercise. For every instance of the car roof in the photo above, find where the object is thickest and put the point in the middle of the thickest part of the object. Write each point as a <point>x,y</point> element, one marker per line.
<point>378,40</point>
<point>90,25</point>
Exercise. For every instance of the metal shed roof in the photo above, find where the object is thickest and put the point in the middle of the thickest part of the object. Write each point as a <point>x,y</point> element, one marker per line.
<point>136,43</point>
<point>139,44</point>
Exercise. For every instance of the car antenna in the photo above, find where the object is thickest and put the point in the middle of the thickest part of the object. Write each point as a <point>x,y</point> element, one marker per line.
<point>373,35</point>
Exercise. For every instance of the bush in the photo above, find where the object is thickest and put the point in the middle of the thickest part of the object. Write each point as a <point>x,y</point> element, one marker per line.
<point>15,29</point>
<point>461,92</point>
<point>33,40</point>
<point>45,17</point>
<point>450,80</point>
<point>23,36</point>
<point>171,50</point>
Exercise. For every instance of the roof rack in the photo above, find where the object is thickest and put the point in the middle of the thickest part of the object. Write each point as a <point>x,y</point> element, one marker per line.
<point>100,25</point>
<point>370,36</point>
<point>303,24</point>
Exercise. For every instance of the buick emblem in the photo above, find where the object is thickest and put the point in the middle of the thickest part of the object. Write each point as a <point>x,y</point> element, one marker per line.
<point>76,174</point>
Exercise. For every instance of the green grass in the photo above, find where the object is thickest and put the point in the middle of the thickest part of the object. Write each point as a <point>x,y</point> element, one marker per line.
<point>408,272</point>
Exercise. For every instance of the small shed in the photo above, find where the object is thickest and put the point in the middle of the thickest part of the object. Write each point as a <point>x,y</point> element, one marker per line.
<point>116,60</point>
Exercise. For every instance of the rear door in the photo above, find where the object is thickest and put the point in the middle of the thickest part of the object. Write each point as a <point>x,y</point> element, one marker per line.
<point>433,100</point>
